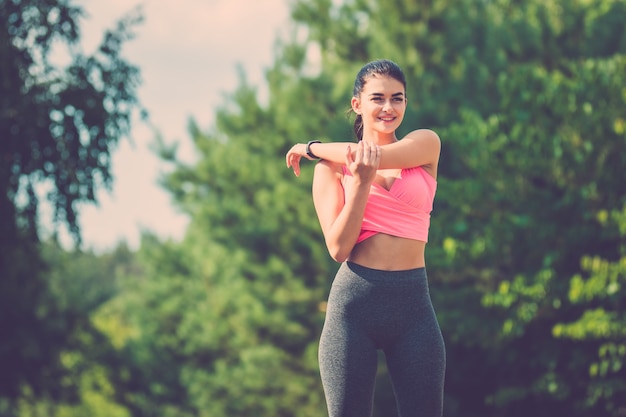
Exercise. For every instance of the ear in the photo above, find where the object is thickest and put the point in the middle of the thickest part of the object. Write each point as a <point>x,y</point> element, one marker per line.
<point>356,105</point>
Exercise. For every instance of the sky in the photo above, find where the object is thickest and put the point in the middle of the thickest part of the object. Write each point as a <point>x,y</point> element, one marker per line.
<point>188,52</point>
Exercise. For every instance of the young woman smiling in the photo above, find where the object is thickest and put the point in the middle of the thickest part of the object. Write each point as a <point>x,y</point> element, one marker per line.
<point>373,200</point>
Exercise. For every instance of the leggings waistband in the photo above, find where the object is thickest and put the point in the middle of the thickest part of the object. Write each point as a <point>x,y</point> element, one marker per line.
<point>374,275</point>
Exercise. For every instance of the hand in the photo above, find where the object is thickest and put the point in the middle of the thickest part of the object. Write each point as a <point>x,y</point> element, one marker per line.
<point>364,164</point>
<point>294,155</point>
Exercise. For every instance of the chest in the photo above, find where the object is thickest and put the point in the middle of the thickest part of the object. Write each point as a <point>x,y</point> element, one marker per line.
<point>386,177</point>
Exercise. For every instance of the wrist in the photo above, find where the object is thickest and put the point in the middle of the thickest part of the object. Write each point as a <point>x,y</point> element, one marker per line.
<point>308,150</point>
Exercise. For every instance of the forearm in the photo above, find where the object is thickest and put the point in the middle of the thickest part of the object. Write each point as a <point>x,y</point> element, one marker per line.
<point>343,233</point>
<point>332,151</point>
<point>340,211</point>
<point>340,204</point>
<point>418,148</point>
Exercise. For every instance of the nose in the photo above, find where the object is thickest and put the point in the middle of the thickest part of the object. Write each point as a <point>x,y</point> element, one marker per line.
<point>387,105</point>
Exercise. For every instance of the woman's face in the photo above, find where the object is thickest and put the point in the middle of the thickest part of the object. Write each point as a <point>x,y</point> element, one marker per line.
<point>382,104</point>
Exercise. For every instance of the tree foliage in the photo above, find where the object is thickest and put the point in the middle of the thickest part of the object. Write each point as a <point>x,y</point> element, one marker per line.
<point>58,124</point>
<point>58,127</point>
<point>84,371</point>
<point>526,254</point>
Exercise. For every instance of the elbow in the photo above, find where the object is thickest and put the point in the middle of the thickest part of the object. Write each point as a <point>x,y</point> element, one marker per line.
<point>338,252</point>
<point>339,258</point>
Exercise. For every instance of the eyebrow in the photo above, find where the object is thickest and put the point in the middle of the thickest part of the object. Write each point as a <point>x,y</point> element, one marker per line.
<point>393,95</point>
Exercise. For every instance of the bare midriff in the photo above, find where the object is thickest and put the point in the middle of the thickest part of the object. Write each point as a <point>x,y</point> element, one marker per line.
<point>389,253</point>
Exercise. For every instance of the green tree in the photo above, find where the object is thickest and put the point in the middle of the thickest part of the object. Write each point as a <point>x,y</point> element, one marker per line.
<point>565,126</point>
<point>88,370</point>
<point>525,255</point>
<point>228,319</point>
<point>601,325</point>
<point>58,126</point>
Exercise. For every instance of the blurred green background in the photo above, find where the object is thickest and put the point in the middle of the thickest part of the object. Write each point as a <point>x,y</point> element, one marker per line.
<point>527,251</point>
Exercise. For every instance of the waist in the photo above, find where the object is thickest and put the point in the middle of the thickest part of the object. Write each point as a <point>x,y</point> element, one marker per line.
<point>389,253</point>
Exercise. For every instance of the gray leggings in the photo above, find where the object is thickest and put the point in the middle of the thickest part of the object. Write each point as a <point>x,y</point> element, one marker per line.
<point>368,310</point>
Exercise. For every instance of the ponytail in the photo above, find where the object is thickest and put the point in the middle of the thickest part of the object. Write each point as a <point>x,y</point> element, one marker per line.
<point>358,127</point>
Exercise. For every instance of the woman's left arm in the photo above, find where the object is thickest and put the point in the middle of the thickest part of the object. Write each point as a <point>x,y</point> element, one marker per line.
<point>419,148</point>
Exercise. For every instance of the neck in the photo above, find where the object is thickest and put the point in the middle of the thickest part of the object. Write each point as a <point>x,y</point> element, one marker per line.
<point>380,138</point>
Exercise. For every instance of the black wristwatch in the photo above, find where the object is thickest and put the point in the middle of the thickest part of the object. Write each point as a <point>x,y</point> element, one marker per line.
<point>308,148</point>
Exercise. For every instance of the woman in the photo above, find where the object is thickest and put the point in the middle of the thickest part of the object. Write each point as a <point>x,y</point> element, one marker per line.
<point>373,201</point>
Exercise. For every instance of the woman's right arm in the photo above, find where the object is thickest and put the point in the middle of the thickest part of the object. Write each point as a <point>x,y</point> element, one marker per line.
<point>340,212</point>
<point>333,151</point>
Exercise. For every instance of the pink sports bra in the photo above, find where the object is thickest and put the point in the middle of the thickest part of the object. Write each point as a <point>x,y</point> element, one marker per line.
<point>404,210</point>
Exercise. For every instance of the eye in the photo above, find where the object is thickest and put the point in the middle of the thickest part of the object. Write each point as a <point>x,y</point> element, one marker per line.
<point>398,99</point>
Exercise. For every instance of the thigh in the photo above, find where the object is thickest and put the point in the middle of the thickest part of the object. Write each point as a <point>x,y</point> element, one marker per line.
<point>416,364</point>
<point>348,360</point>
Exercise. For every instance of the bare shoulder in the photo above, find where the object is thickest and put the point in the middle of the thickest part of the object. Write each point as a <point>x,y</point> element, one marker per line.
<point>328,170</point>
<point>427,146</point>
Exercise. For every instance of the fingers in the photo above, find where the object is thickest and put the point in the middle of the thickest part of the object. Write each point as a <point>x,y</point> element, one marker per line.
<point>295,164</point>
<point>368,153</point>
<point>292,159</point>
<point>360,151</point>
<point>374,155</point>
<point>349,157</point>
